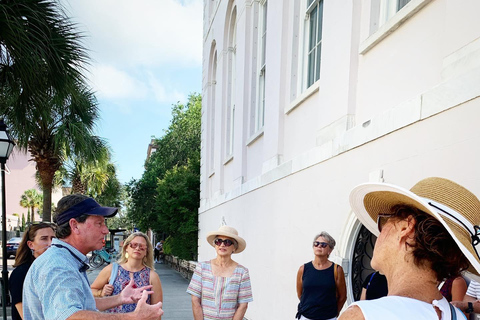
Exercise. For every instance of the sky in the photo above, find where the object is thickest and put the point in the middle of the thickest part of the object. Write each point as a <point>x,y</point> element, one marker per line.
<point>145,56</point>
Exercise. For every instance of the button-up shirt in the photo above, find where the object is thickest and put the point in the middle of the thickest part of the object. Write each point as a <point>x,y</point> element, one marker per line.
<point>54,287</point>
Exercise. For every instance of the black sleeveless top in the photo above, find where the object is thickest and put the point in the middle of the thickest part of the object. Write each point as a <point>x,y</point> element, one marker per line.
<point>318,300</point>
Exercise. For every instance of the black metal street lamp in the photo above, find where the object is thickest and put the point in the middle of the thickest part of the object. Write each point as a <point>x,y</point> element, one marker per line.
<point>6,147</point>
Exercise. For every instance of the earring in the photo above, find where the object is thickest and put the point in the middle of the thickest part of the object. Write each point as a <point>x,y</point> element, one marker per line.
<point>33,252</point>
<point>126,255</point>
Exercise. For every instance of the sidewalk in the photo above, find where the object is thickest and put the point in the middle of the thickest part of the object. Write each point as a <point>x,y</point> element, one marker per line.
<point>176,301</point>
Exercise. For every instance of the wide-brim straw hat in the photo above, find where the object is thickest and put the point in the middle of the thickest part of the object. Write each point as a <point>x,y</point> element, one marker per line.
<point>454,206</point>
<point>230,232</point>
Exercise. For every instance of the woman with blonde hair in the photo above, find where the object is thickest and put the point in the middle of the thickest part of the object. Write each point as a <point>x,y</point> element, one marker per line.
<point>135,262</point>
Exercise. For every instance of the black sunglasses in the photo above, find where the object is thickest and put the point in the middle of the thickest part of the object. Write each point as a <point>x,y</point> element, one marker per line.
<point>226,242</point>
<point>382,219</point>
<point>320,244</point>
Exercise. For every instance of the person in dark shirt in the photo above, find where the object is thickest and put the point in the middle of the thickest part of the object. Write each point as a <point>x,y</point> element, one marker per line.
<point>374,286</point>
<point>36,239</point>
<point>321,284</point>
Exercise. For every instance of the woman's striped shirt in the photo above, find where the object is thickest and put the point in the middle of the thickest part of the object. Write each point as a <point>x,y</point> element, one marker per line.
<point>220,296</point>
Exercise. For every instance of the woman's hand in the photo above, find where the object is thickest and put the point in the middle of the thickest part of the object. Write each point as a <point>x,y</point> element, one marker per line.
<point>107,290</point>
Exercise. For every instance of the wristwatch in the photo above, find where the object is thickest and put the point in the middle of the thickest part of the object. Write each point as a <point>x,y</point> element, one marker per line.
<point>470,308</point>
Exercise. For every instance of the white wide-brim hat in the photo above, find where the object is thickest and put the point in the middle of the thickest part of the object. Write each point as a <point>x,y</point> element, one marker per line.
<point>454,206</point>
<point>230,232</point>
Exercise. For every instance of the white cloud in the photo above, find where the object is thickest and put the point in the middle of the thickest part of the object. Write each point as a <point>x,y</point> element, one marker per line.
<point>162,94</point>
<point>142,32</point>
<point>111,83</point>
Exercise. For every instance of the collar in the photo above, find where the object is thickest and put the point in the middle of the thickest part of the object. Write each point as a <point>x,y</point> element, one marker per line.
<point>80,257</point>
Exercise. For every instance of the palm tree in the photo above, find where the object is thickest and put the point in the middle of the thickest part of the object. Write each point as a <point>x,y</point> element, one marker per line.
<point>43,96</point>
<point>90,177</point>
<point>53,138</point>
<point>40,51</point>
<point>31,199</point>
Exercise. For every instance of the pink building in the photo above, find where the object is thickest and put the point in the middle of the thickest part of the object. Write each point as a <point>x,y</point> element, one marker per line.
<point>19,177</point>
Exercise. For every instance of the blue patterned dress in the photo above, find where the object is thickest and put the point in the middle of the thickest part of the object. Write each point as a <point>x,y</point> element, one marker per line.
<point>141,278</point>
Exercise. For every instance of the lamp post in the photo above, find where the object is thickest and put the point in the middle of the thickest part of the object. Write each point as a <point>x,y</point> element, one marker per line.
<point>6,147</point>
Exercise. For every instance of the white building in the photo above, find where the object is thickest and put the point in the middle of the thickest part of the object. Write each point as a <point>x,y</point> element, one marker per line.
<point>304,99</point>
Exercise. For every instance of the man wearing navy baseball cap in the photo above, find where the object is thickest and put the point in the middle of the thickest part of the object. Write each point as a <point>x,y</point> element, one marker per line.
<point>56,286</point>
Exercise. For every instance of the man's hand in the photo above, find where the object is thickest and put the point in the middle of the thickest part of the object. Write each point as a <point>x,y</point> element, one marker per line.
<point>147,311</point>
<point>132,295</point>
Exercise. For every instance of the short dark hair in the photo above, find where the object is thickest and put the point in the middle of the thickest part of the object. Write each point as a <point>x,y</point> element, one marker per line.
<point>433,246</point>
<point>64,204</point>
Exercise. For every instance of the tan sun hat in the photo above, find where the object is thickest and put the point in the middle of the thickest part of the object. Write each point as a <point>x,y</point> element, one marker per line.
<point>230,232</point>
<point>454,206</point>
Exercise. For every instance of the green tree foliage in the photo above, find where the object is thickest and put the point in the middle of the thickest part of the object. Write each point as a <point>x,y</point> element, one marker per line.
<point>44,98</point>
<point>40,51</point>
<point>23,222</point>
<point>166,198</point>
<point>31,199</point>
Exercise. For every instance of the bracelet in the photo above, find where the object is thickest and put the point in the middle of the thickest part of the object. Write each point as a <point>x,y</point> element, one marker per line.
<point>98,294</point>
<point>470,308</point>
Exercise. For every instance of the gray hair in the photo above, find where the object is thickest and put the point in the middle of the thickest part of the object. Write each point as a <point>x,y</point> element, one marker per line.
<point>331,242</point>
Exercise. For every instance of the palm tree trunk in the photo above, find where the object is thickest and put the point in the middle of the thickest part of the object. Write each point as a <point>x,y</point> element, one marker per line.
<point>33,214</point>
<point>47,202</point>
<point>47,169</point>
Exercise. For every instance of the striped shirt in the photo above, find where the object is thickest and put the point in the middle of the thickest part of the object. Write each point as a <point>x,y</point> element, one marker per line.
<point>474,289</point>
<point>54,287</point>
<point>220,296</point>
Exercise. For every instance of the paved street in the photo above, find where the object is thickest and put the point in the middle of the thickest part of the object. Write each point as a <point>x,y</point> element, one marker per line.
<point>177,305</point>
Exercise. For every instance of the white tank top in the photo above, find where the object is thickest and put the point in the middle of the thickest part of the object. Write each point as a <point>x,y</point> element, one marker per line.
<point>396,307</point>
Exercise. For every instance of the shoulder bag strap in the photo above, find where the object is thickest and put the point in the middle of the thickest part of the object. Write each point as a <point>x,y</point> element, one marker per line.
<point>114,273</point>
<point>371,277</point>
<point>453,312</point>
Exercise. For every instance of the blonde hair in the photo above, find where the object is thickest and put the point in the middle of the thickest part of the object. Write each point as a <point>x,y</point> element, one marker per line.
<point>148,259</point>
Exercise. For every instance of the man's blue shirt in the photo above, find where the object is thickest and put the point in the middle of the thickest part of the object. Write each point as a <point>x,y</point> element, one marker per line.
<point>54,287</point>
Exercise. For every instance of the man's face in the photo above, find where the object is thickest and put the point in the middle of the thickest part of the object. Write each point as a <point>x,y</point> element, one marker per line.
<point>94,231</point>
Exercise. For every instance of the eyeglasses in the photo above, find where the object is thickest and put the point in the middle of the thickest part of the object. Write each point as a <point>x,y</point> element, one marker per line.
<point>382,219</point>
<point>320,244</point>
<point>135,245</point>
<point>226,242</point>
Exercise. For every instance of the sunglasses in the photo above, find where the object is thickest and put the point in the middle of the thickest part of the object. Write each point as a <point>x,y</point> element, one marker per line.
<point>140,247</point>
<point>226,242</point>
<point>382,218</point>
<point>320,244</point>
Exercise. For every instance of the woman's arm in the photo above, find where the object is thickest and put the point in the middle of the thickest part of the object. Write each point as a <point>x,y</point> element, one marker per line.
<point>19,307</point>
<point>197,308</point>
<point>459,289</point>
<point>341,289</point>
<point>240,312</point>
<point>300,282</point>
<point>100,286</point>
<point>157,294</point>
<point>363,296</point>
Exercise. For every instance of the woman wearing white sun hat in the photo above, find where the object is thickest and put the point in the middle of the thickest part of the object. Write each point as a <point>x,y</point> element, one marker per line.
<point>425,234</point>
<point>220,288</point>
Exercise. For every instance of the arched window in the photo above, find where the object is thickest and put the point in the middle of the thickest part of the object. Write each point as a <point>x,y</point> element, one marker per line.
<point>231,77</point>
<point>361,257</point>
<point>262,67</point>
<point>212,81</point>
